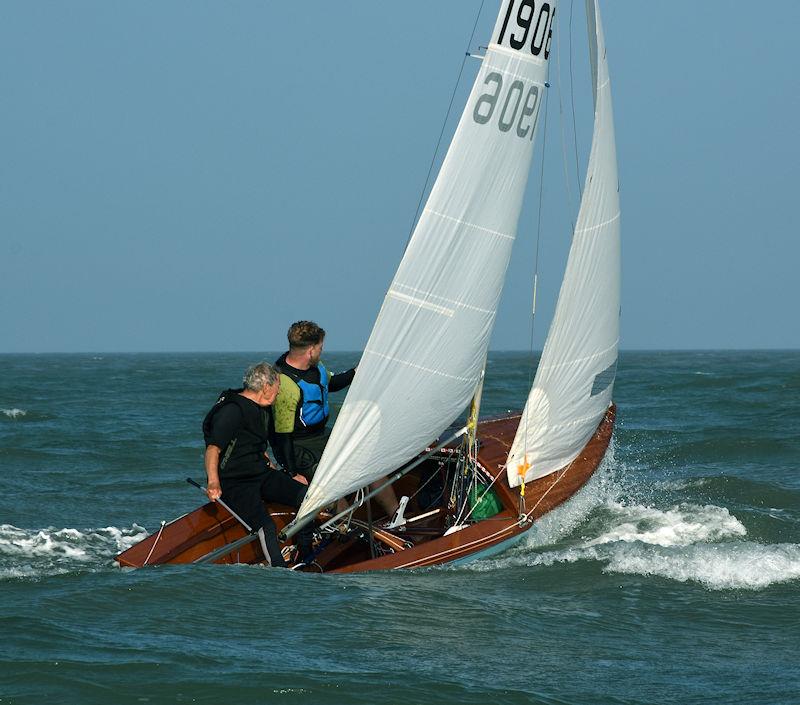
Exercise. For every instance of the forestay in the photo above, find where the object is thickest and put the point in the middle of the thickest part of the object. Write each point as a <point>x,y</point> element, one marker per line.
<point>575,378</point>
<point>424,358</point>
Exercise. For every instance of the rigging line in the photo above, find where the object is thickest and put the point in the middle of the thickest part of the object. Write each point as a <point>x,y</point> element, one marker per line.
<point>153,547</point>
<point>564,158</point>
<point>572,100</point>
<point>536,255</point>
<point>444,124</point>
<point>485,492</point>
<point>529,514</point>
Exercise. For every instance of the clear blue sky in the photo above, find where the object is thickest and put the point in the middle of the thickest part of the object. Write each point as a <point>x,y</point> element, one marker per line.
<point>197,175</point>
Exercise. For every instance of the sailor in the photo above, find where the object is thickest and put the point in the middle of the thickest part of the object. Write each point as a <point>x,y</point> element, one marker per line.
<point>301,409</point>
<point>236,432</point>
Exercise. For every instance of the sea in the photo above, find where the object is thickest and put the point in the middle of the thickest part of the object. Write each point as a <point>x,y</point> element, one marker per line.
<point>673,576</point>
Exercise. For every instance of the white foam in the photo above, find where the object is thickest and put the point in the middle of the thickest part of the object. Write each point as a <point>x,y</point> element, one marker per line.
<point>682,525</point>
<point>30,553</point>
<point>743,565</point>
<point>686,542</point>
<point>564,519</point>
<point>14,413</point>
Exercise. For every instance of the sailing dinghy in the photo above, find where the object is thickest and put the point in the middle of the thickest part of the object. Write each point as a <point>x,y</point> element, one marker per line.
<point>473,490</point>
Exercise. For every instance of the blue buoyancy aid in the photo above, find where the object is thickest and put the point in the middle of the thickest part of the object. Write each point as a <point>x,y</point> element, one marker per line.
<point>314,411</point>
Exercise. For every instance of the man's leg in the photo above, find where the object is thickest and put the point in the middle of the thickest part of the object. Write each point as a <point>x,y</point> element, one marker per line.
<point>279,487</point>
<point>245,499</point>
<point>308,451</point>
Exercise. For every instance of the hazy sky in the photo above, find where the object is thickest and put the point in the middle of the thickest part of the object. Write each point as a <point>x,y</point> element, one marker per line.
<point>197,175</point>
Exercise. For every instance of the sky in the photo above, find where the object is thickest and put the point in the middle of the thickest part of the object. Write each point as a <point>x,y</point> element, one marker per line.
<point>194,176</point>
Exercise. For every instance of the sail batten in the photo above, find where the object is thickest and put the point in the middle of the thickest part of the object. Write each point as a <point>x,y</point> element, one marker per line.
<point>424,358</point>
<point>575,377</point>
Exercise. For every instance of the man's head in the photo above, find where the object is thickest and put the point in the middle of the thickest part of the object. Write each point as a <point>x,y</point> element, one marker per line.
<point>306,338</point>
<point>263,381</point>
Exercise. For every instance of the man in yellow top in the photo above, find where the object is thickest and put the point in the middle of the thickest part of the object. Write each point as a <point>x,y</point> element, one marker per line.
<point>301,410</point>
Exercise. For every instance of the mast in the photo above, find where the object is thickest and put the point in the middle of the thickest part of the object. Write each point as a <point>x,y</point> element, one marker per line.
<point>468,455</point>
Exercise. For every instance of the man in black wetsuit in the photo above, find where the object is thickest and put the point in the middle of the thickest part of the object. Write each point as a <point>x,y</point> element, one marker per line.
<point>236,432</point>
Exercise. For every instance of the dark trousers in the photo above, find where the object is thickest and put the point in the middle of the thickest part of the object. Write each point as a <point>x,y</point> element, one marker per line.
<point>308,451</point>
<point>247,496</point>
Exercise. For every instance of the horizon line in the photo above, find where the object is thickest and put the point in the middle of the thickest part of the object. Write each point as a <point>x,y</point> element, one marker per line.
<point>355,351</point>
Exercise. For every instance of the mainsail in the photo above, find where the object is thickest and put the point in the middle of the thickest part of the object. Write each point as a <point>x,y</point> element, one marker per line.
<point>425,354</point>
<point>575,377</point>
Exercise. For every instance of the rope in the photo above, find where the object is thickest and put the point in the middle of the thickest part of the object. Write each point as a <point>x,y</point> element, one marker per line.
<point>564,159</point>
<point>153,547</point>
<point>572,100</point>
<point>558,479</point>
<point>444,124</point>
<point>427,482</point>
<point>536,255</point>
<point>485,492</point>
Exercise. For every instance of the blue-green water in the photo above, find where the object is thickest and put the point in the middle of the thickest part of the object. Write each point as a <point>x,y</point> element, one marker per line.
<point>673,577</point>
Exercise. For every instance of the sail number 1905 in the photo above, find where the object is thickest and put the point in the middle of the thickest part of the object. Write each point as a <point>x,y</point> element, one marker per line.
<point>539,33</point>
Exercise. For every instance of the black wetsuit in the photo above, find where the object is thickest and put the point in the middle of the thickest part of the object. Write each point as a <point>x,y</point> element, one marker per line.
<point>246,478</point>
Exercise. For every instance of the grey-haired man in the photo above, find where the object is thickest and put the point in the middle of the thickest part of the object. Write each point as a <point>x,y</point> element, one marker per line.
<point>236,432</point>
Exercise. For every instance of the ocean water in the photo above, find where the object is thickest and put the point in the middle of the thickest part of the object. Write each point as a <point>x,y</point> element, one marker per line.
<point>673,577</point>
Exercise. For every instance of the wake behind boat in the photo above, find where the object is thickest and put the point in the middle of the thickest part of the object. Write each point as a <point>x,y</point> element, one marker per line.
<point>480,488</point>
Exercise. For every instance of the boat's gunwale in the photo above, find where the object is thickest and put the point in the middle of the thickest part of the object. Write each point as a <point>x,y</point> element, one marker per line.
<point>485,535</point>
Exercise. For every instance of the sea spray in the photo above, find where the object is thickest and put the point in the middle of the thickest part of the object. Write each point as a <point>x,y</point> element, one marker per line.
<point>732,565</point>
<point>33,553</point>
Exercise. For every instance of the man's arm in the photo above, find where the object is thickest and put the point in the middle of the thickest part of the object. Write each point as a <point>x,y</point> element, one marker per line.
<point>340,381</point>
<point>224,427</point>
<point>213,488</point>
<point>284,415</point>
<point>283,446</point>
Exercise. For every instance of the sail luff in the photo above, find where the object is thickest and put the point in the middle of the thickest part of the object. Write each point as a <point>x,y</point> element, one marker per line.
<point>423,360</point>
<point>574,380</point>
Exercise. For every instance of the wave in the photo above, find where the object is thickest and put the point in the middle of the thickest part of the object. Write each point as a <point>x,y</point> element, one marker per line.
<point>742,565</point>
<point>36,553</point>
<point>685,542</point>
<point>634,529</point>
<point>14,413</point>
<point>681,525</point>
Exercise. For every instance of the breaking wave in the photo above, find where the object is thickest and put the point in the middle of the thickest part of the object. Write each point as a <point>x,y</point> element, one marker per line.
<point>14,413</point>
<point>36,553</point>
<point>688,542</point>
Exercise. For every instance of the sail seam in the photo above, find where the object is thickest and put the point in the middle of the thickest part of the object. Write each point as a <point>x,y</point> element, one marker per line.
<point>508,73</point>
<point>567,424</point>
<point>569,363</point>
<point>458,221</point>
<point>599,225</point>
<point>522,58</point>
<point>391,358</point>
<point>420,303</point>
<point>454,302</point>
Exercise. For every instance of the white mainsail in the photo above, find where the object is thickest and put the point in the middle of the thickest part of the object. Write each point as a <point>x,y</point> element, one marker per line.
<point>425,355</point>
<point>575,377</point>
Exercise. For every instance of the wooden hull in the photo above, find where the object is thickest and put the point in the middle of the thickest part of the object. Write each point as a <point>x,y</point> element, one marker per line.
<point>420,544</point>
